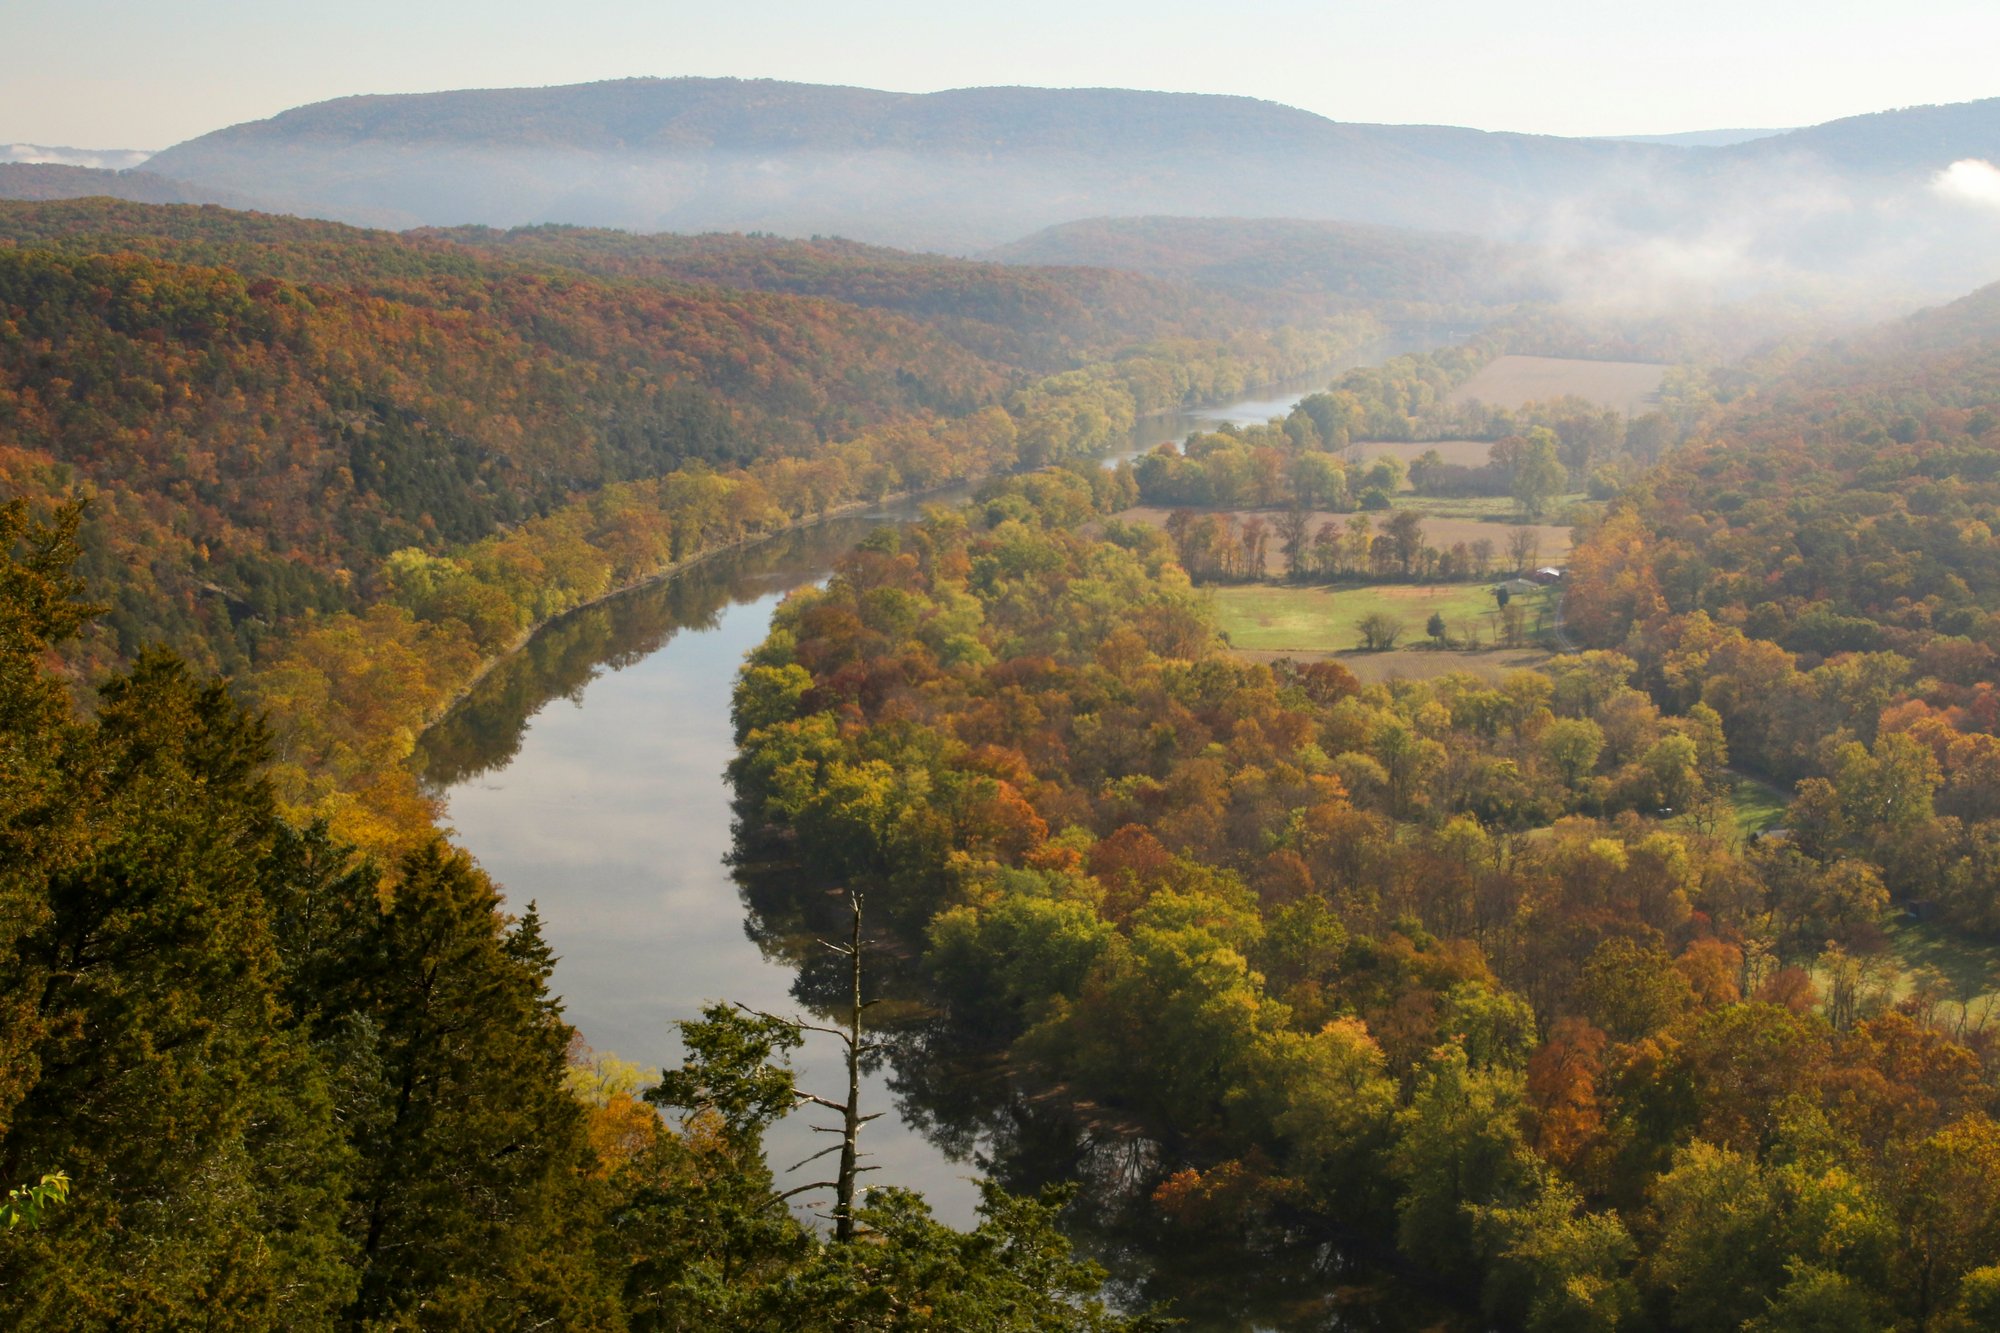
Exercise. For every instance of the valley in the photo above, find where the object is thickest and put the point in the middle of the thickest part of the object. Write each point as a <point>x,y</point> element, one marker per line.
<point>733,703</point>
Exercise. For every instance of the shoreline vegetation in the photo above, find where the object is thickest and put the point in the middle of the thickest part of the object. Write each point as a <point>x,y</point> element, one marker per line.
<point>369,795</point>
<point>848,509</point>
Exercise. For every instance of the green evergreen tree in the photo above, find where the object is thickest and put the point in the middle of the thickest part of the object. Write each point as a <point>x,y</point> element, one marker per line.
<point>472,1205</point>
<point>162,1075</point>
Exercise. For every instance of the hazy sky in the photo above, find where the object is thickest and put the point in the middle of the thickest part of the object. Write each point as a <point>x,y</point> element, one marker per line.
<point>115,73</point>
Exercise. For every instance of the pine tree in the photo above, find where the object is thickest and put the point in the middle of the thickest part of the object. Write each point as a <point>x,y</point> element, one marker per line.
<point>161,1074</point>
<point>472,1205</point>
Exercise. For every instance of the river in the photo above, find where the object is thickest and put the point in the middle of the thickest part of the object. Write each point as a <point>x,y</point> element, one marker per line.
<point>586,774</point>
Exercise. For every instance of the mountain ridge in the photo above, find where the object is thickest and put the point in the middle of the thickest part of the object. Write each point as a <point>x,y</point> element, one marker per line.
<point>965,170</point>
<point>959,170</point>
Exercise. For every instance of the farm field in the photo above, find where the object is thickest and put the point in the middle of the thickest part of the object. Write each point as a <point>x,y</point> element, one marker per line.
<point>1490,664</point>
<point>1632,387</point>
<point>1288,619</point>
<point>1446,523</point>
<point>1464,453</point>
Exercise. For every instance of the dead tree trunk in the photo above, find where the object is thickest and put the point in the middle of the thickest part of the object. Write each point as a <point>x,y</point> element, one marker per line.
<point>850,1114</point>
<point>849,1110</point>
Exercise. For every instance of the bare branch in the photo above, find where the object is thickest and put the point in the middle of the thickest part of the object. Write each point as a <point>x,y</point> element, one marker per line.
<point>816,1185</point>
<point>833,1148</point>
<point>817,1100</point>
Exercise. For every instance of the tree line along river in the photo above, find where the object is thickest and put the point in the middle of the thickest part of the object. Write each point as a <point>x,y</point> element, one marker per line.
<point>586,774</point>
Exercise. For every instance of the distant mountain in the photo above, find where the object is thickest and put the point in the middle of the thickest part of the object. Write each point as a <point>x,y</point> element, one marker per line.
<point>1970,319</point>
<point>43,180</point>
<point>959,170</point>
<point>107,159</point>
<point>1271,259</point>
<point>1847,203</point>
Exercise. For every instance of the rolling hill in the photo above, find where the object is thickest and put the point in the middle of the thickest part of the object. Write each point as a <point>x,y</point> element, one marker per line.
<point>55,180</point>
<point>1911,141</point>
<point>1292,261</point>
<point>966,170</point>
<point>1020,315</point>
<point>262,408</point>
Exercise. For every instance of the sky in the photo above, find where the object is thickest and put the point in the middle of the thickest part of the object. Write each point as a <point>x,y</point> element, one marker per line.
<point>121,74</point>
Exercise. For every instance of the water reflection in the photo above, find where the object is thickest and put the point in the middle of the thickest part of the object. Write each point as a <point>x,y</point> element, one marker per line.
<point>486,731</point>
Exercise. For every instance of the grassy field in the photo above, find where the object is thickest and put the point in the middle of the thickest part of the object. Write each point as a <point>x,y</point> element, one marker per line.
<point>1971,966</point>
<point>1497,510</point>
<point>1449,521</point>
<point>1966,972</point>
<point>1632,387</point>
<point>1758,805</point>
<point>1284,618</point>
<point>1490,664</point>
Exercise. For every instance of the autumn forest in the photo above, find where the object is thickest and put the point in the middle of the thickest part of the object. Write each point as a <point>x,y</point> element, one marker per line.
<point>1514,831</point>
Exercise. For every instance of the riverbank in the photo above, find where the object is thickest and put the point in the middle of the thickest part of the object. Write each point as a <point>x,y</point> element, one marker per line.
<point>350,693</point>
<point>611,814</point>
<point>1276,394</point>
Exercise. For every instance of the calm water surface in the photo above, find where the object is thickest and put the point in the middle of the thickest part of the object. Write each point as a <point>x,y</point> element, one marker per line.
<point>586,774</point>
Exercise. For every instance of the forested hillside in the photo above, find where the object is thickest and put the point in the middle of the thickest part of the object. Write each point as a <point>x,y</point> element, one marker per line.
<point>351,467</point>
<point>1422,965</point>
<point>1821,569</point>
<point>1039,317</point>
<point>53,180</point>
<point>276,437</point>
<point>267,408</point>
<point>1299,263</point>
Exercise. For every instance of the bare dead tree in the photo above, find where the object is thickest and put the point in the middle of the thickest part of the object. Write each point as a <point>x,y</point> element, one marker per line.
<point>849,1110</point>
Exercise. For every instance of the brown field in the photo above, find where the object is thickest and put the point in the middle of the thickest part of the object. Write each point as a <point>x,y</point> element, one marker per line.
<point>1439,531</point>
<point>1632,387</point>
<point>1414,663</point>
<point>1442,532</point>
<point>1465,453</point>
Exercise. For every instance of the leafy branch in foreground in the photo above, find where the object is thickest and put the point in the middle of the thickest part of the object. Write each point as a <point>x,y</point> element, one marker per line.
<point>26,1203</point>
